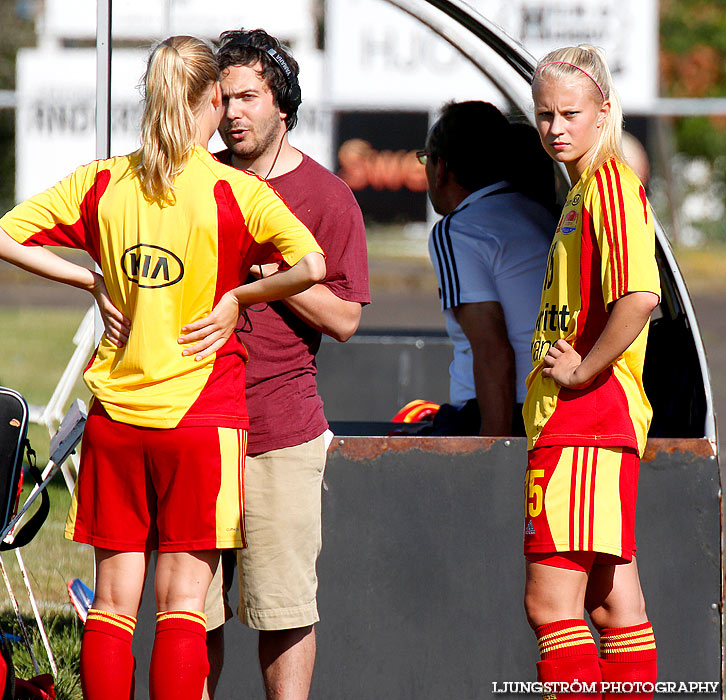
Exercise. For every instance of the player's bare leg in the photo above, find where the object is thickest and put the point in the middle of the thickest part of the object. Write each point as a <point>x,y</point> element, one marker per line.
<point>614,597</point>
<point>179,657</point>
<point>182,579</point>
<point>107,663</point>
<point>627,644</point>
<point>287,659</point>
<point>554,601</point>
<point>119,580</point>
<point>552,594</point>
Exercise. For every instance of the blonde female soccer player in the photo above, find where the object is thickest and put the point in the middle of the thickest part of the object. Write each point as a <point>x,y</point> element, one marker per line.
<point>175,233</point>
<point>586,413</point>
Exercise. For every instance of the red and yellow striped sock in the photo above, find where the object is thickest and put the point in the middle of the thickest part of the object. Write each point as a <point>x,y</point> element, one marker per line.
<point>107,664</point>
<point>179,659</point>
<point>569,656</point>
<point>628,660</point>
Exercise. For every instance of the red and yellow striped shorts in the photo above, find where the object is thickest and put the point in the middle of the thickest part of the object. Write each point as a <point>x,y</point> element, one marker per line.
<point>581,499</point>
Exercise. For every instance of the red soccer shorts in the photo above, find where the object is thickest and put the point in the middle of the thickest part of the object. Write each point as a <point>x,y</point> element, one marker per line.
<point>580,499</point>
<point>175,490</point>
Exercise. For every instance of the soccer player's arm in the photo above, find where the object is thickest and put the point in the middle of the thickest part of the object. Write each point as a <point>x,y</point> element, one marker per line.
<point>319,306</point>
<point>493,363</point>
<point>629,278</point>
<point>25,229</point>
<point>628,316</point>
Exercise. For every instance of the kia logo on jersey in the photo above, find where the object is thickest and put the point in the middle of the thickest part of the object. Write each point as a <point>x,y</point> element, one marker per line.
<point>151,266</point>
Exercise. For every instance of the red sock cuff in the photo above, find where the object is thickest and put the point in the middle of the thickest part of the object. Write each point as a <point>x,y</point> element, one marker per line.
<point>188,620</point>
<point>635,643</point>
<point>119,626</point>
<point>565,638</point>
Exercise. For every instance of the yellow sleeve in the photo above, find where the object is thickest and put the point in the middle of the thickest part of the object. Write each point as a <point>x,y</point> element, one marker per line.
<point>269,220</point>
<point>56,216</point>
<point>624,230</point>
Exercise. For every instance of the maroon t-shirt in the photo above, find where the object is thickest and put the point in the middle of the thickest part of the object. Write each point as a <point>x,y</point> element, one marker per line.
<point>282,395</point>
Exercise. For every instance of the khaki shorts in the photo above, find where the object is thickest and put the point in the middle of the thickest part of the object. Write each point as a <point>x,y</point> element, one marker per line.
<point>282,525</point>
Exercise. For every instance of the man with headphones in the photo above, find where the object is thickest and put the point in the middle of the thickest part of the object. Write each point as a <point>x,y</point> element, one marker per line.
<point>287,438</point>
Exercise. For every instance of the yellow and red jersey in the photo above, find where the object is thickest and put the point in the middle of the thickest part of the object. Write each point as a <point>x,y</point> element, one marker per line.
<point>604,248</point>
<point>165,266</point>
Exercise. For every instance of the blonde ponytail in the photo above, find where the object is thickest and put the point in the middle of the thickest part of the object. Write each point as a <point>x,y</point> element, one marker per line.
<point>588,64</point>
<point>179,72</point>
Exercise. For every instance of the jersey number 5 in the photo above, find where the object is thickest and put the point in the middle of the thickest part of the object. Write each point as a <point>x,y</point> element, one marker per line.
<point>533,494</point>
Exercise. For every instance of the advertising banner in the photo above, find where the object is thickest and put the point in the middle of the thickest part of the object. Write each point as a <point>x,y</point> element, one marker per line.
<point>378,53</point>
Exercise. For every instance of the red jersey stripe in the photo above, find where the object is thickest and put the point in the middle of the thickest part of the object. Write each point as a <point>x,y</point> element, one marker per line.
<point>573,482</point>
<point>583,497</point>
<point>619,233</point>
<point>606,220</point>
<point>624,226</point>
<point>610,212</point>
<point>644,199</point>
<point>593,475</point>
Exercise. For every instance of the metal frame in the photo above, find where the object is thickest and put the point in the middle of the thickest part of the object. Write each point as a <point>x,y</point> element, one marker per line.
<point>104,44</point>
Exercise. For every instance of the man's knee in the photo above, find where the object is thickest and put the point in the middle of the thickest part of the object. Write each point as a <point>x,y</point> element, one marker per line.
<point>275,643</point>
<point>291,633</point>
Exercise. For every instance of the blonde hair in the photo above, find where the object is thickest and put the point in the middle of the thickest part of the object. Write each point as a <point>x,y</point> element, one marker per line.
<point>179,72</point>
<point>588,64</point>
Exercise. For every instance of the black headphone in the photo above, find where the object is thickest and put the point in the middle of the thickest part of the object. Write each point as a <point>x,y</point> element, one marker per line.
<point>290,96</point>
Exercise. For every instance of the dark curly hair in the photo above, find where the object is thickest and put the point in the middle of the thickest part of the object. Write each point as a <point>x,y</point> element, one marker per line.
<point>240,47</point>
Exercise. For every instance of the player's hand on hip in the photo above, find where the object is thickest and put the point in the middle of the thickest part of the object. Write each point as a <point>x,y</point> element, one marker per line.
<point>561,363</point>
<point>210,333</point>
<point>116,326</point>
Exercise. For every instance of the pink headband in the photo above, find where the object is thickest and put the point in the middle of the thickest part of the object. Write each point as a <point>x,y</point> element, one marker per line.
<point>565,63</point>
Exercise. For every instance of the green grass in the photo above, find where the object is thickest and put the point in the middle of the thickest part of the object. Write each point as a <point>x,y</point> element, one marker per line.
<point>64,633</point>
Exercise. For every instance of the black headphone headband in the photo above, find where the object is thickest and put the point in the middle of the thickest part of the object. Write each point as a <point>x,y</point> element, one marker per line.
<point>290,96</point>
<point>289,75</point>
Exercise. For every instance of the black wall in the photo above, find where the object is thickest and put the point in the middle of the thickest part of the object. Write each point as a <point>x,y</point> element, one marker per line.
<point>421,575</point>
